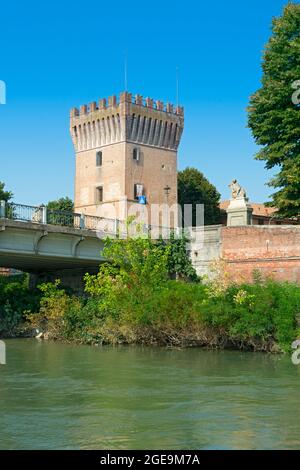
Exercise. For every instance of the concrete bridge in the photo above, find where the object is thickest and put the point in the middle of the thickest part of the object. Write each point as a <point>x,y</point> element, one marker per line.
<point>34,247</point>
<point>49,245</point>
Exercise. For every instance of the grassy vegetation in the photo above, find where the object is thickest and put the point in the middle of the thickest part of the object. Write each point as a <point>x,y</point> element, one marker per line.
<point>133,300</point>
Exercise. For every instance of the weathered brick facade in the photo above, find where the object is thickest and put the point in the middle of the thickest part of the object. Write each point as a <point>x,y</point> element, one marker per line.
<point>274,251</point>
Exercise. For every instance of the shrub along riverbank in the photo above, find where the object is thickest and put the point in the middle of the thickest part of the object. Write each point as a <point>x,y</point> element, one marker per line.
<point>134,300</point>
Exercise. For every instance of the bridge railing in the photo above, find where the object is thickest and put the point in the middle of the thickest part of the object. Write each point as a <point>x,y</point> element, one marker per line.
<point>64,218</point>
<point>21,212</point>
<point>43,215</point>
<point>104,226</point>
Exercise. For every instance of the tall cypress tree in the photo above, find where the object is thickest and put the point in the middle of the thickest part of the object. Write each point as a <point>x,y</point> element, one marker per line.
<point>274,111</point>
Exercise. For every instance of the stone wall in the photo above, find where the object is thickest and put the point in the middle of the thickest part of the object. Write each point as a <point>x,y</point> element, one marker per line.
<point>272,250</point>
<point>205,247</point>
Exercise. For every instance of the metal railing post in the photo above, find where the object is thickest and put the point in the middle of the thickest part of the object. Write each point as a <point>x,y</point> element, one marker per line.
<point>43,214</point>
<point>82,221</point>
<point>2,209</point>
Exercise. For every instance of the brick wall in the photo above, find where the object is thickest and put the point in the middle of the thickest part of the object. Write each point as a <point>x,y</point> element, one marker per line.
<point>274,251</point>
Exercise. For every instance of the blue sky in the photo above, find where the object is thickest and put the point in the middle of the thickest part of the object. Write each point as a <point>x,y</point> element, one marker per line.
<point>60,54</point>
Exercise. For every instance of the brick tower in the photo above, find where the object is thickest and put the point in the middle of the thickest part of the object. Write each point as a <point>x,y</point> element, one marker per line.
<point>125,150</point>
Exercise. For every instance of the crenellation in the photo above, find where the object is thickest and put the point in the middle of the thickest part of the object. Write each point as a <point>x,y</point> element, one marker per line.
<point>149,102</point>
<point>102,103</point>
<point>125,97</point>
<point>112,101</point>
<point>74,112</point>
<point>92,107</point>
<point>139,100</point>
<point>159,105</point>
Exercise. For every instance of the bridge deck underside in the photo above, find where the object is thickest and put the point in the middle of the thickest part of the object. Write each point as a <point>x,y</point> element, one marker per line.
<point>43,263</point>
<point>39,248</point>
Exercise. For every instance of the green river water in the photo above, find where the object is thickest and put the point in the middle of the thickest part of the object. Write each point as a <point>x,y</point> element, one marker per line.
<point>57,396</point>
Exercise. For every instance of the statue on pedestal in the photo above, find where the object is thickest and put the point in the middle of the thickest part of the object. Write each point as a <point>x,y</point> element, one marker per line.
<point>236,190</point>
<point>239,211</point>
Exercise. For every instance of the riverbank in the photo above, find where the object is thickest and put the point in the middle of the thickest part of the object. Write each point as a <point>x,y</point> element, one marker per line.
<point>263,316</point>
<point>132,300</point>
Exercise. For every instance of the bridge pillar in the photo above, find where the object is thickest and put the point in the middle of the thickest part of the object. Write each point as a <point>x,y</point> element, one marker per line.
<point>70,278</point>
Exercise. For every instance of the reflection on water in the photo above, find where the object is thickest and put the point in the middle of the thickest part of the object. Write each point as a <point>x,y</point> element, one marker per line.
<point>56,396</point>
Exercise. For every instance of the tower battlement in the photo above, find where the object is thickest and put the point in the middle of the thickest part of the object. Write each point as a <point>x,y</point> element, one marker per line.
<point>139,100</point>
<point>131,118</point>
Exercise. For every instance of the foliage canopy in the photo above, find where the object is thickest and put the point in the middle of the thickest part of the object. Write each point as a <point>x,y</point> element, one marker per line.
<point>274,111</point>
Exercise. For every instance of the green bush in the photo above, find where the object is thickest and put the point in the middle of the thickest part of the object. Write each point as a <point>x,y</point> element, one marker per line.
<point>15,299</point>
<point>258,315</point>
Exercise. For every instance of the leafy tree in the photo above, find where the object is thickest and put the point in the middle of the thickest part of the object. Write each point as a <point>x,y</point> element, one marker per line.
<point>274,113</point>
<point>5,195</point>
<point>194,188</point>
<point>178,261</point>
<point>60,212</point>
<point>133,263</point>
<point>62,204</point>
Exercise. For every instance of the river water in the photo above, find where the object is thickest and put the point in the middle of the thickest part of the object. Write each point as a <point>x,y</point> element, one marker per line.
<point>57,396</point>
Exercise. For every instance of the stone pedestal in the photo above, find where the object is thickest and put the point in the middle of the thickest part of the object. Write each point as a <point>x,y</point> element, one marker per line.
<point>239,212</point>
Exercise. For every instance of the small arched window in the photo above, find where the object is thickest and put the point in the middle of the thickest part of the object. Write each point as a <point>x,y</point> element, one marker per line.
<point>99,194</point>
<point>136,154</point>
<point>99,158</point>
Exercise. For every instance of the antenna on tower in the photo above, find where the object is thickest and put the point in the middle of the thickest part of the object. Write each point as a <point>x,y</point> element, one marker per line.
<point>177,86</point>
<point>125,71</point>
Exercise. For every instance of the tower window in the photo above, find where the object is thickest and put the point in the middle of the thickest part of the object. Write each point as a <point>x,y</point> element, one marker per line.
<point>136,154</point>
<point>138,190</point>
<point>99,159</point>
<point>99,194</point>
